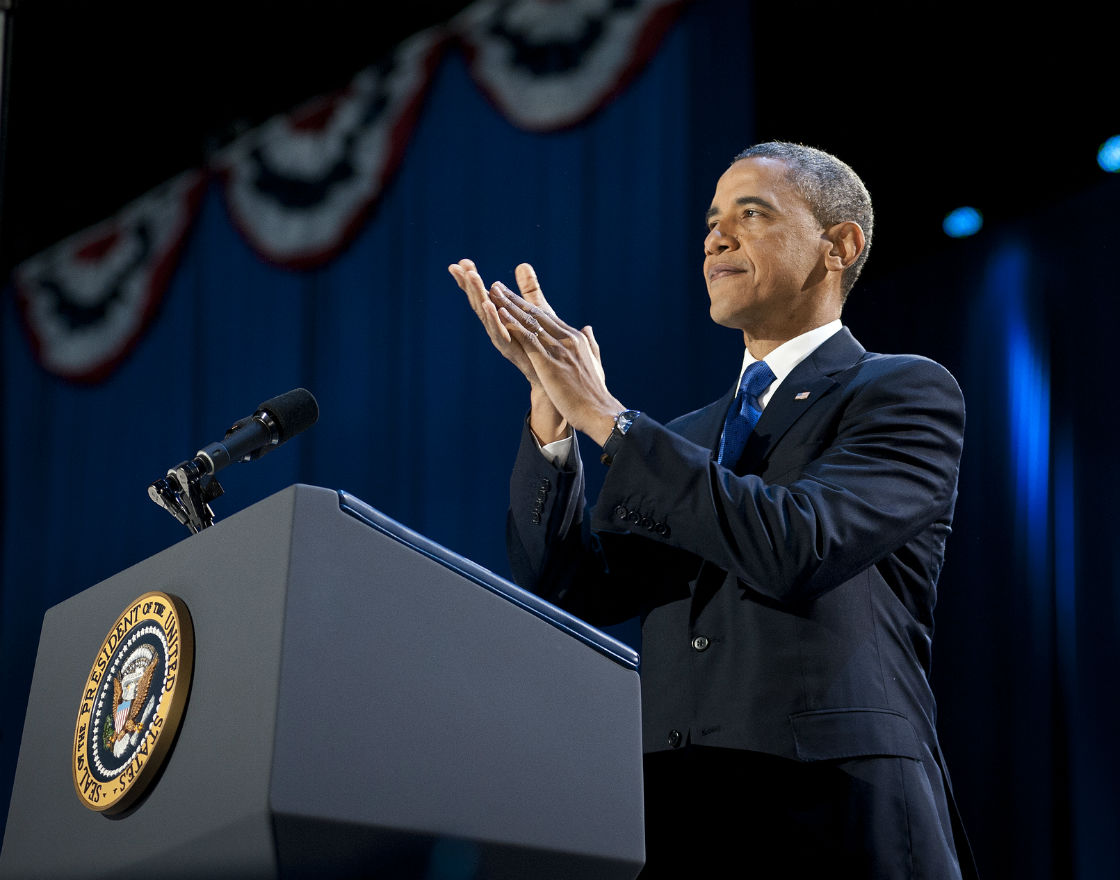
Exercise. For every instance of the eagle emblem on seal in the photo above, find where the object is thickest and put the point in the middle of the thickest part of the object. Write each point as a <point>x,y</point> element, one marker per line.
<point>130,696</point>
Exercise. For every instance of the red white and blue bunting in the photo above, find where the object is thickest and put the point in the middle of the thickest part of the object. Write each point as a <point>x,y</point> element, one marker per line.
<point>300,186</point>
<point>87,300</point>
<point>547,65</point>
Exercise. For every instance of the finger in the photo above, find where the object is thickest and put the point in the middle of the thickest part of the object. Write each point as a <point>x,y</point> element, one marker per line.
<point>470,282</point>
<point>459,270</point>
<point>468,279</point>
<point>520,334</point>
<point>459,273</point>
<point>592,341</point>
<point>530,316</point>
<point>494,327</point>
<point>594,345</point>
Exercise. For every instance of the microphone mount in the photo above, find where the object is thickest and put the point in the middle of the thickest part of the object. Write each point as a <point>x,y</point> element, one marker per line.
<point>186,493</point>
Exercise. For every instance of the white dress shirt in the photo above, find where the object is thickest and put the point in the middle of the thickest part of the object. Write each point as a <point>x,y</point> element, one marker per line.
<point>788,355</point>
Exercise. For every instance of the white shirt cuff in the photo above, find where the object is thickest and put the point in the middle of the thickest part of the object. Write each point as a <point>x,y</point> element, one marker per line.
<point>558,451</point>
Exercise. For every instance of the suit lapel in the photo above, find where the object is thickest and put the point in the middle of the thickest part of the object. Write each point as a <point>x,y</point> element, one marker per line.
<point>809,382</point>
<point>801,389</point>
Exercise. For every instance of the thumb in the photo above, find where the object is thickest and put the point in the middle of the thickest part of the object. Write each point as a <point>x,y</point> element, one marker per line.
<point>530,287</point>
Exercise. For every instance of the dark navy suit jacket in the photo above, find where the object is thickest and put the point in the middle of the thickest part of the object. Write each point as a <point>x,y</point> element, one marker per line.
<point>787,603</point>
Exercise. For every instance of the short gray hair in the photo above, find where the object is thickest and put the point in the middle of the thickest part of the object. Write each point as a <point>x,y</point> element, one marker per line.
<point>831,189</point>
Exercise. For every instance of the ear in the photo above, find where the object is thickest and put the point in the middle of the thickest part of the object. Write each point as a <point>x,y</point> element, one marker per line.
<point>846,244</point>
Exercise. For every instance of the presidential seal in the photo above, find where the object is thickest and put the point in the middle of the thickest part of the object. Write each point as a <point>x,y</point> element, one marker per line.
<point>132,702</point>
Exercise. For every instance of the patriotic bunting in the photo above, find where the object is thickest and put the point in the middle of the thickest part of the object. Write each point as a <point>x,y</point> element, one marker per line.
<point>299,186</point>
<point>548,65</point>
<point>87,300</point>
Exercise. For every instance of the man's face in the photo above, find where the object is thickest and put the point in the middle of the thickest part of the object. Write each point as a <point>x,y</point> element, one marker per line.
<point>764,252</point>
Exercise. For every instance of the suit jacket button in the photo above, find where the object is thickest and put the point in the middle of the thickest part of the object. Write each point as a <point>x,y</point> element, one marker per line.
<point>675,738</point>
<point>661,529</point>
<point>701,643</point>
<point>621,512</point>
<point>634,517</point>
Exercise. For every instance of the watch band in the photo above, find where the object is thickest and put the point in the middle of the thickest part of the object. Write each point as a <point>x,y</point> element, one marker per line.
<point>622,423</point>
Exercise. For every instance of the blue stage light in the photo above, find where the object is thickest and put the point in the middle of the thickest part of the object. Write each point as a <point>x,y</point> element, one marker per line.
<point>962,222</point>
<point>1108,156</point>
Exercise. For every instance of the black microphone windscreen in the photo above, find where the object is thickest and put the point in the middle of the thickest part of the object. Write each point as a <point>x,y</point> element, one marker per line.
<point>295,411</point>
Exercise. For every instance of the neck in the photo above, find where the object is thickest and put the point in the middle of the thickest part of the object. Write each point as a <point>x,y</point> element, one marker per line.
<point>760,343</point>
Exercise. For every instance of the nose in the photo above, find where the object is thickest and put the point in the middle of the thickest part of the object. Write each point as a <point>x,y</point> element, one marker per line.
<point>715,242</point>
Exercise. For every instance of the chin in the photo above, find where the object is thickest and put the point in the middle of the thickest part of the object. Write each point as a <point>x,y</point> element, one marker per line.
<point>723,317</point>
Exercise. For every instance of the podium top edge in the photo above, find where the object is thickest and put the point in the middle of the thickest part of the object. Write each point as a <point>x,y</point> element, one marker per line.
<point>579,629</point>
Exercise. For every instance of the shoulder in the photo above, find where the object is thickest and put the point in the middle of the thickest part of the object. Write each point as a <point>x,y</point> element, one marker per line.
<point>907,387</point>
<point>867,379</point>
<point>842,358</point>
<point>911,370</point>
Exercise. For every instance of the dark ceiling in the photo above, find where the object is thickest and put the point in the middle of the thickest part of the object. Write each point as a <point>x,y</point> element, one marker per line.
<point>934,106</point>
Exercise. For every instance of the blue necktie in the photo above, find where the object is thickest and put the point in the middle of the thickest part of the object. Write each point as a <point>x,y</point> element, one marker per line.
<point>744,412</point>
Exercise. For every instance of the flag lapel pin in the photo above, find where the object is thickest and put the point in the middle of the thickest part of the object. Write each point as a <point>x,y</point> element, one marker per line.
<point>801,395</point>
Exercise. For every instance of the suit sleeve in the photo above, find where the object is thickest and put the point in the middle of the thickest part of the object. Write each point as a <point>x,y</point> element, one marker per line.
<point>881,470</point>
<point>551,549</point>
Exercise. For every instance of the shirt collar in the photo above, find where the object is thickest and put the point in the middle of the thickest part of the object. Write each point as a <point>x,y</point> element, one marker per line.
<point>789,354</point>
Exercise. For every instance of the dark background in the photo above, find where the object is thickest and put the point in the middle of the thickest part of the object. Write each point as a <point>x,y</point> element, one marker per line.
<point>935,105</point>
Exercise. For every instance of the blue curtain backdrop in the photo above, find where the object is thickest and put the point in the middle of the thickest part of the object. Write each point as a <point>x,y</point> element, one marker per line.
<point>420,416</point>
<point>1028,613</point>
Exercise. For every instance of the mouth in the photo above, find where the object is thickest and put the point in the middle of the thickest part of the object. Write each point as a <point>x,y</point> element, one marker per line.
<point>721,270</point>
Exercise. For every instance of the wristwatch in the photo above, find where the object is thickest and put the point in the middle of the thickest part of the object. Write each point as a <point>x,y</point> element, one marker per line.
<point>622,423</point>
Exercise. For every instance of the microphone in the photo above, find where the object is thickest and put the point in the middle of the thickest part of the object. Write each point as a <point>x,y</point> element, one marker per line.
<point>275,421</point>
<point>188,488</point>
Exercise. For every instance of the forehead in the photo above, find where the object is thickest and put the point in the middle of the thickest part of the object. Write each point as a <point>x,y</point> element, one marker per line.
<point>758,177</point>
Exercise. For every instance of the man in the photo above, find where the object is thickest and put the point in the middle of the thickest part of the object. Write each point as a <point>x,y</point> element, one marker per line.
<point>785,586</point>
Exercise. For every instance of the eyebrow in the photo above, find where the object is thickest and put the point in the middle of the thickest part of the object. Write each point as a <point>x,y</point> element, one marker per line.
<point>742,201</point>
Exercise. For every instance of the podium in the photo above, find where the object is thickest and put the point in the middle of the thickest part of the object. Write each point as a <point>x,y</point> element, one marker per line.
<point>364,703</point>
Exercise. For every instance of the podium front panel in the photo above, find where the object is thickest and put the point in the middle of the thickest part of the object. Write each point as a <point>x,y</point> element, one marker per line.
<point>361,701</point>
